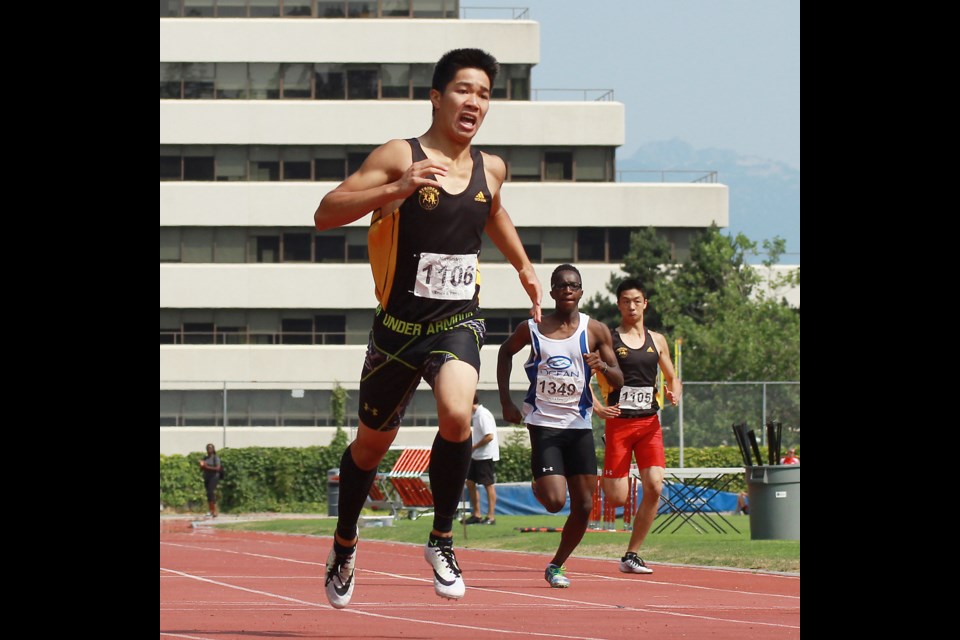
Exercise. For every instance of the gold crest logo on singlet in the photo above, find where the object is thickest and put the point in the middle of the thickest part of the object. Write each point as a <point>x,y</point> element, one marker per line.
<point>429,198</point>
<point>622,353</point>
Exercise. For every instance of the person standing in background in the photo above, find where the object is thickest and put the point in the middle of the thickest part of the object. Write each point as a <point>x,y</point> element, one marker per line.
<point>211,467</point>
<point>791,457</point>
<point>483,462</point>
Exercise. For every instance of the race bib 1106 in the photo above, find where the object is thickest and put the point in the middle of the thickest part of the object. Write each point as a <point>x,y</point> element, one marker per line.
<point>444,277</point>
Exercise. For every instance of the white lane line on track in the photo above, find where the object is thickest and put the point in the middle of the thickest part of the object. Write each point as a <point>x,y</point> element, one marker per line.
<point>562,601</point>
<point>370,614</point>
<point>494,565</point>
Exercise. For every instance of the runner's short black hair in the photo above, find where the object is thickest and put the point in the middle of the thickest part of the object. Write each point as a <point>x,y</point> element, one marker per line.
<point>561,269</point>
<point>631,283</point>
<point>456,59</point>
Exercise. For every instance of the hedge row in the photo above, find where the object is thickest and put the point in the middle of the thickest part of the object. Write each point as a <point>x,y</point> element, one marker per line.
<point>295,479</point>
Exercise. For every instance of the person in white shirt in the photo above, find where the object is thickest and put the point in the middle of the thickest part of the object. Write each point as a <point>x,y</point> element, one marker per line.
<point>486,453</point>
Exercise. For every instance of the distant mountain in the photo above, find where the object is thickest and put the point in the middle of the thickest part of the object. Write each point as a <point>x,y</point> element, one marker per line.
<point>764,194</point>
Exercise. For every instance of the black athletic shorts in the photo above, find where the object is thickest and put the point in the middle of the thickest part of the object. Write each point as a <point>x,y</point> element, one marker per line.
<point>483,472</point>
<point>561,452</point>
<point>400,353</point>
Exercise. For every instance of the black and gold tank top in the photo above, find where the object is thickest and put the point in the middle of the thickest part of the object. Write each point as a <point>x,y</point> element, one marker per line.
<point>638,396</point>
<point>425,254</point>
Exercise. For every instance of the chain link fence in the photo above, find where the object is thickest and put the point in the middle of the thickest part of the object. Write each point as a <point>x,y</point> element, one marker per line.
<point>708,410</point>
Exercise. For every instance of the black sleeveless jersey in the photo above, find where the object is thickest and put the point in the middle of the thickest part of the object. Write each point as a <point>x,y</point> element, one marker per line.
<point>425,254</point>
<point>640,368</point>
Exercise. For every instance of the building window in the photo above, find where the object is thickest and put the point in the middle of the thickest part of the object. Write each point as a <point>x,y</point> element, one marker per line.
<point>434,8</point>
<point>264,8</point>
<point>361,9</point>
<point>590,244</point>
<point>330,329</point>
<point>231,163</point>
<point>330,248</point>
<point>524,164</point>
<point>335,9</point>
<point>329,169</point>
<point>264,163</point>
<point>264,80</point>
<point>231,245</point>
<point>320,81</point>
<point>198,81</point>
<point>296,163</point>
<point>197,333</point>
<point>330,80</point>
<point>198,8</point>
<point>296,247</point>
<point>231,8</point>
<point>394,8</point>
<point>361,84</point>
<point>296,81</point>
<point>171,164</point>
<point>296,8</point>
<point>591,164</point>
<point>519,82</point>
<point>267,248</point>
<point>421,77</point>
<point>232,80</point>
<point>557,244</point>
<point>303,8</point>
<point>395,81</point>
<point>356,245</point>
<point>170,80</point>
<point>198,168</point>
<point>349,245</point>
<point>296,331</point>
<point>558,165</point>
<point>169,244</point>
<point>333,163</point>
<point>619,241</point>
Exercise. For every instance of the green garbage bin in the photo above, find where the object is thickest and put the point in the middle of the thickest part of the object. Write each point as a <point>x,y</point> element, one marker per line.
<point>333,492</point>
<point>774,494</point>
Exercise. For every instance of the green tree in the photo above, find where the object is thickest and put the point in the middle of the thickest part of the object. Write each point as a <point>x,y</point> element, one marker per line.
<point>731,328</point>
<point>338,411</point>
<point>647,261</point>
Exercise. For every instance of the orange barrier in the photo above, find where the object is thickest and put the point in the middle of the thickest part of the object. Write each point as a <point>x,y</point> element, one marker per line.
<point>406,478</point>
<point>603,515</point>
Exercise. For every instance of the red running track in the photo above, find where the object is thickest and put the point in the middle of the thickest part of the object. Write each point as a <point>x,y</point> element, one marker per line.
<point>218,585</point>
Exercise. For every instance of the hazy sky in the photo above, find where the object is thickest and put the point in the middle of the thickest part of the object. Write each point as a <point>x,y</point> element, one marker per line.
<point>714,73</point>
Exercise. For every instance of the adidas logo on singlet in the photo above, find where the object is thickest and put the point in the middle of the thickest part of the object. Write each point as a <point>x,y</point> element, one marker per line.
<point>649,349</point>
<point>479,197</point>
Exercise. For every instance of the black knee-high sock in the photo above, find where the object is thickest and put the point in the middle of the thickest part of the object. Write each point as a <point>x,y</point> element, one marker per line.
<point>449,463</point>
<point>355,484</point>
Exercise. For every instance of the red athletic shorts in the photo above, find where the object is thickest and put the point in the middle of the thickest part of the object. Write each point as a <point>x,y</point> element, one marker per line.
<point>640,436</point>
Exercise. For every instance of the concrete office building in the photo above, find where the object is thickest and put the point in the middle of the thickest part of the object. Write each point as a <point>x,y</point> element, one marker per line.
<point>266,105</point>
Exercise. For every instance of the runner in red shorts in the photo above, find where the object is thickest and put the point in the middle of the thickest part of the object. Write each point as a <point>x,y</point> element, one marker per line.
<point>632,423</point>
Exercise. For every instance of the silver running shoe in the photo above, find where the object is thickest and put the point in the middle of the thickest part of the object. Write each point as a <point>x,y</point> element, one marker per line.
<point>554,575</point>
<point>632,563</point>
<point>447,581</point>
<point>339,583</point>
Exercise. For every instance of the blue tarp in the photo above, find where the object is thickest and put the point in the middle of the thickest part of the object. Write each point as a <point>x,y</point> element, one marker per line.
<point>516,499</point>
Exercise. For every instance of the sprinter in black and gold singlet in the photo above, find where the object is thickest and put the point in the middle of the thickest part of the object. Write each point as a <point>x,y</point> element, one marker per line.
<point>432,199</point>
<point>632,420</point>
